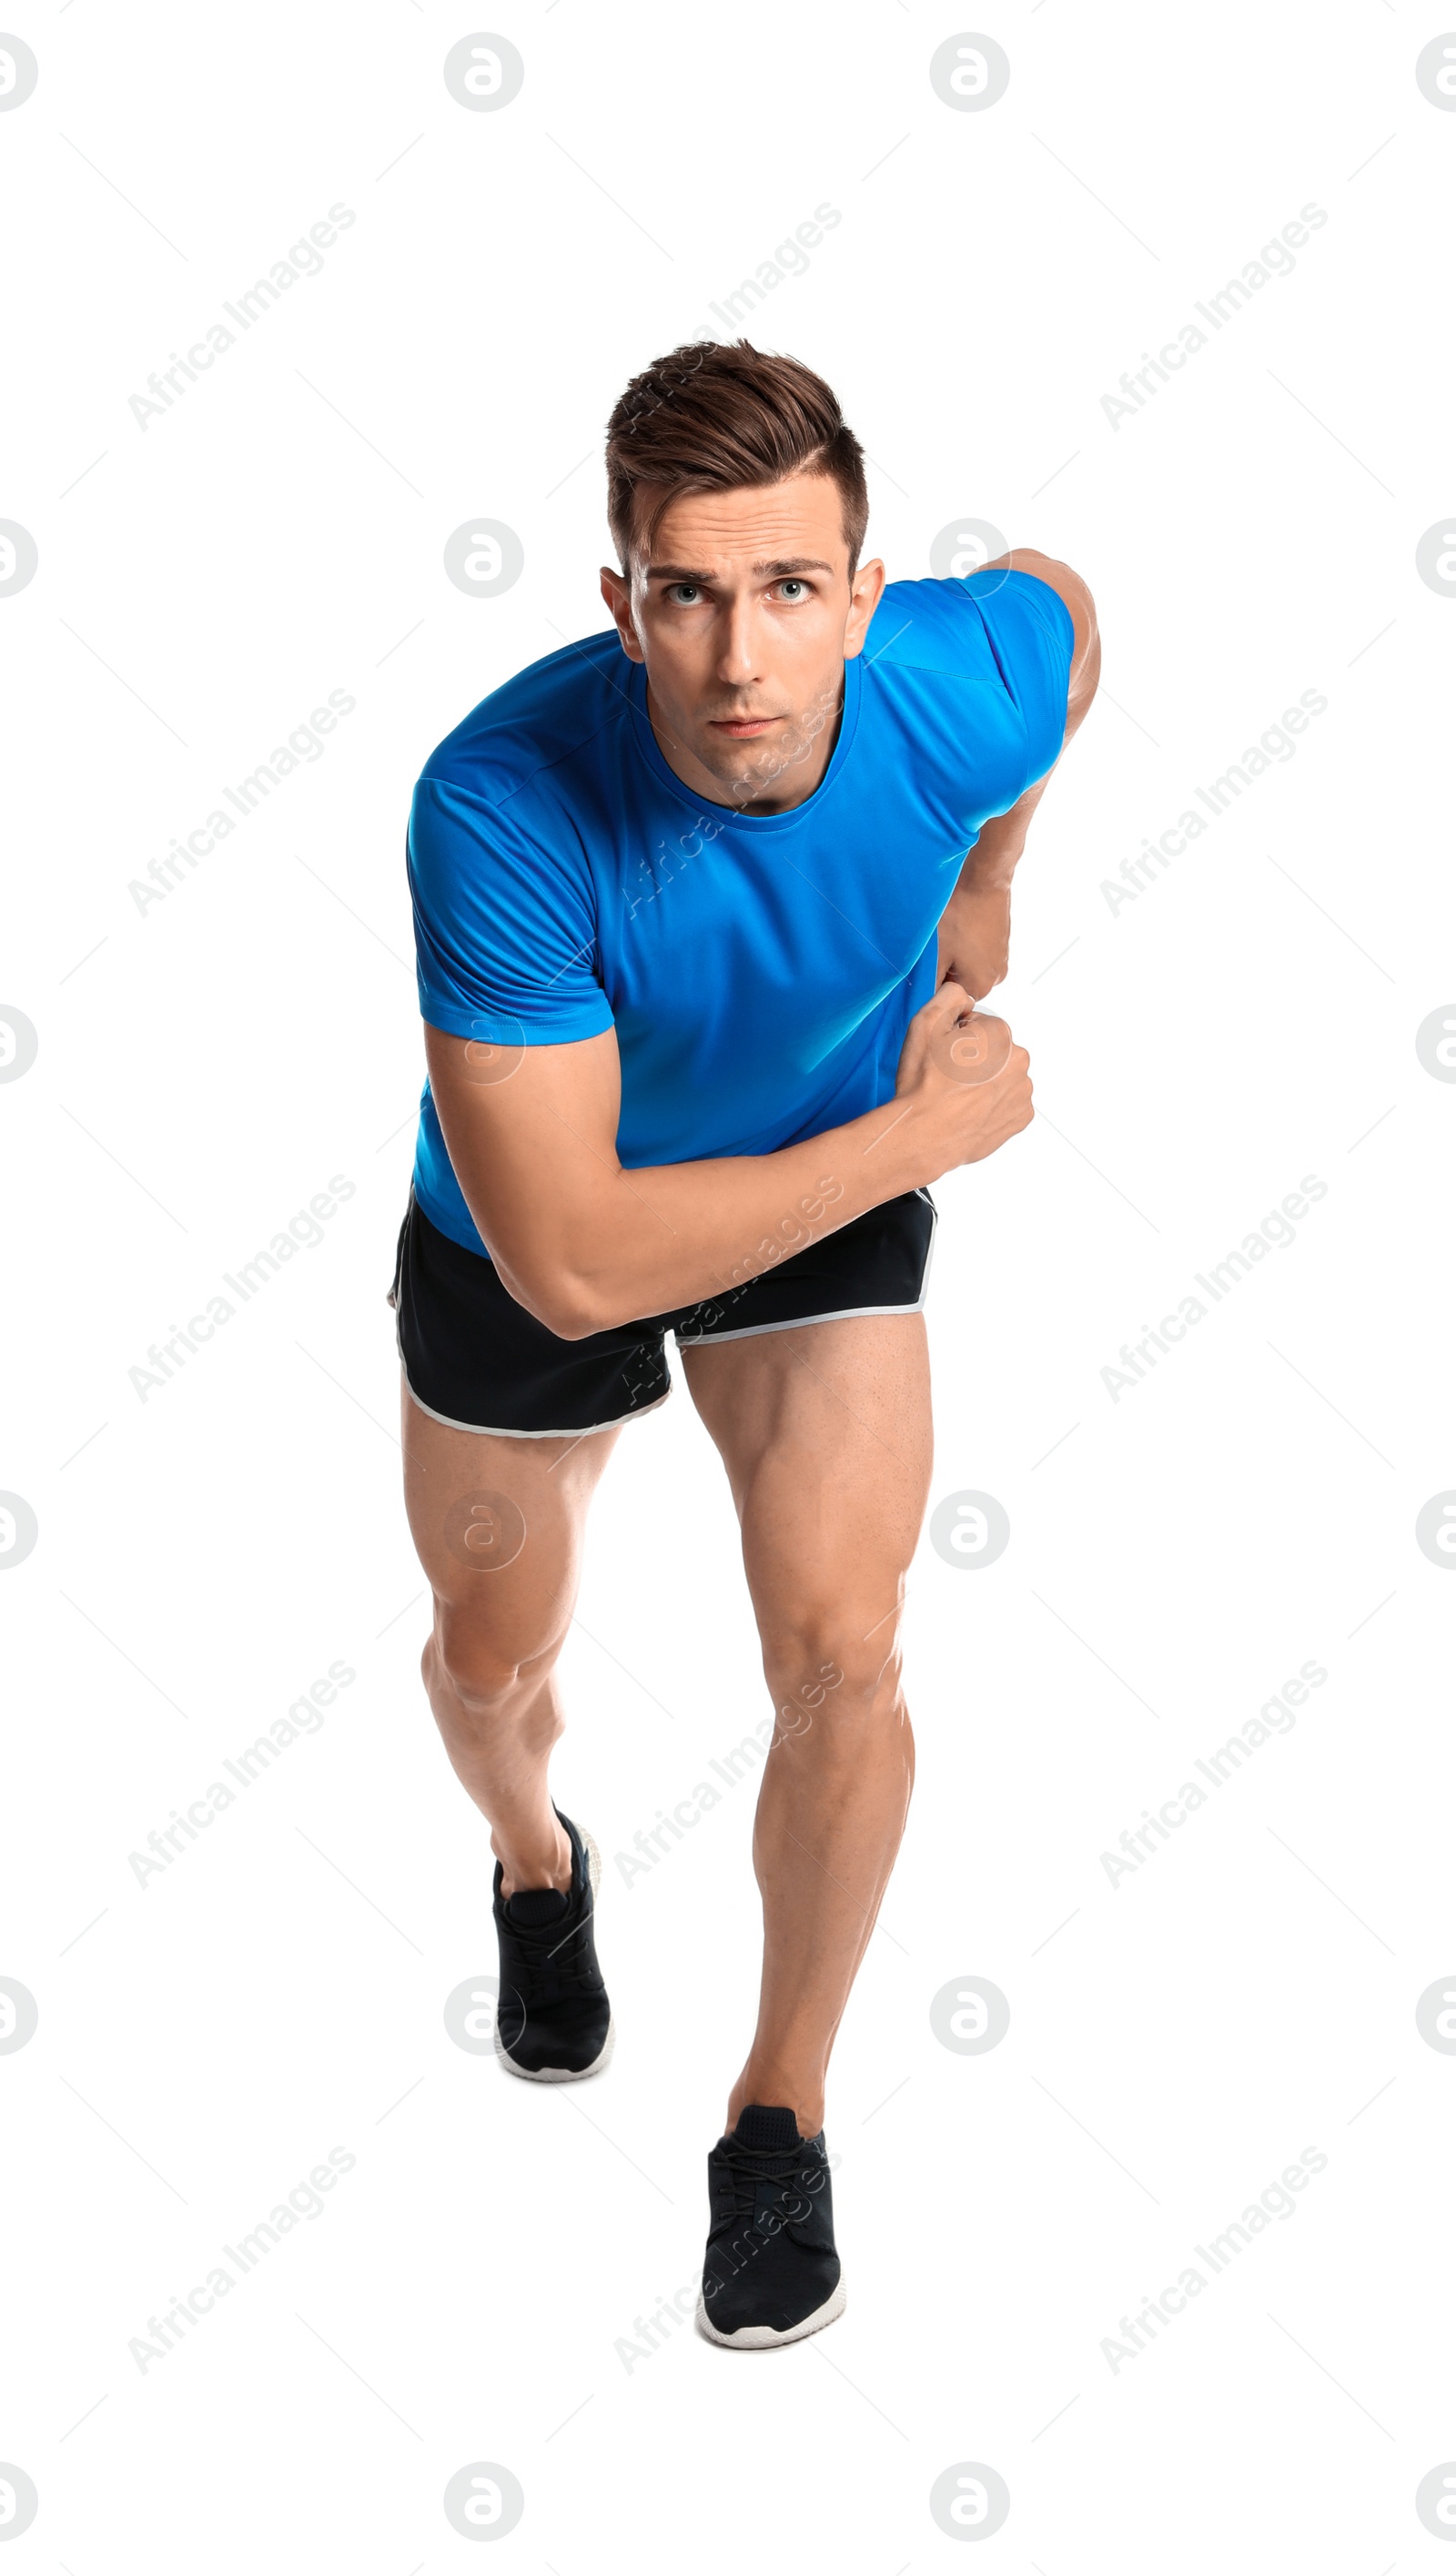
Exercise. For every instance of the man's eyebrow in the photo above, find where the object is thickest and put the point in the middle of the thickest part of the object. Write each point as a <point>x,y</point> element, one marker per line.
<point>782,568</point>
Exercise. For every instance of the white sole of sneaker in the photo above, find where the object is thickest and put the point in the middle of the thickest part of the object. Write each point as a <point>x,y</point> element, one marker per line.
<point>765,2338</point>
<point>566,2074</point>
<point>559,2074</point>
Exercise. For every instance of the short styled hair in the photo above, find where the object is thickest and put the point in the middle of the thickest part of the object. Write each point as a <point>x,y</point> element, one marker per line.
<point>716,416</point>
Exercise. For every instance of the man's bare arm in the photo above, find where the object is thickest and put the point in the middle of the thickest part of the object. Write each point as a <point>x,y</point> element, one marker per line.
<point>975,928</point>
<point>584,1245</point>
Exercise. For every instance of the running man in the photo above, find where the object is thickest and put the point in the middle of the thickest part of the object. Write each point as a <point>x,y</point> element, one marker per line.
<point>703,905</point>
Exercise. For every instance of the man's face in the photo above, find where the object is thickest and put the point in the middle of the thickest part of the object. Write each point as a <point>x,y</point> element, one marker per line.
<point>745,615</point>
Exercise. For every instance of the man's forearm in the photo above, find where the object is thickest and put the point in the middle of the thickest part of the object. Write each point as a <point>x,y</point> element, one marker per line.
<point>1000,844</point>
<point>676,1234</point>
<point>974,945</point>
<point>585,1245</point>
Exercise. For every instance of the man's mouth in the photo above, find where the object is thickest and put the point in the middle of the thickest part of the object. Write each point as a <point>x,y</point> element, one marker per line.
<point>741,728</point>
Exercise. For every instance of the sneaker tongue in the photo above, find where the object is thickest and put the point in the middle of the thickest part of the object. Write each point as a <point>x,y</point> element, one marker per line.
<point>766,2128</point>
<point>533,1906</point>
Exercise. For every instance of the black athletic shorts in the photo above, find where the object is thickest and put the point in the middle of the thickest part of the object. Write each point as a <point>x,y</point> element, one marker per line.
<point>476,1360</point>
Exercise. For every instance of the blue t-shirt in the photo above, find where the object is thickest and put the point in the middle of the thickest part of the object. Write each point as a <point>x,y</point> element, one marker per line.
<point>760,970</point>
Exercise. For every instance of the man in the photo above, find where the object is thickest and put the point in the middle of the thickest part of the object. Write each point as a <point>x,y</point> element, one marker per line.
<point>698,941</point>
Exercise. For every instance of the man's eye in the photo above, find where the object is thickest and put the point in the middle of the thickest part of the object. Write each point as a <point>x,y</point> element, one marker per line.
<point>793,591</point>
<point>684,594</point>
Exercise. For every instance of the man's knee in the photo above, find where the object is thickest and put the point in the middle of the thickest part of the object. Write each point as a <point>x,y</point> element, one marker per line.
<point>825,1666</point>
<point>485,1668</point>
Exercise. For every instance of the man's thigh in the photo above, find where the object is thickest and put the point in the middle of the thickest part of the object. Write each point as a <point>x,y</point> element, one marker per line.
<point>498,1524</point>
<point>825,1431</point>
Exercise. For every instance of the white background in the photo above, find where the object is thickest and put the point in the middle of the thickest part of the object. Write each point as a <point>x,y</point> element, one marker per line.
<point>206,1065</point>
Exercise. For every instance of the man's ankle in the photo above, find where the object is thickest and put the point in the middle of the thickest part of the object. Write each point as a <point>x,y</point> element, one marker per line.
<point>546,1862</point>
<point>777,2091</point>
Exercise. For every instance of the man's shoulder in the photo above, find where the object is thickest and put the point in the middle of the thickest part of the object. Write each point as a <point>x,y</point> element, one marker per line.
<point>958,628</point>
<point>970,676</point>
<point>545,716</point>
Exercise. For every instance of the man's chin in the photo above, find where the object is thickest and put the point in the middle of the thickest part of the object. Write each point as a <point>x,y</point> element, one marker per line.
<point>751,764</point>
<point>741,768</point>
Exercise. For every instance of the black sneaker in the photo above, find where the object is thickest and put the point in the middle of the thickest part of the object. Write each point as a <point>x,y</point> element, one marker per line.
<point>771,2272</point>
<point>553,2021</point>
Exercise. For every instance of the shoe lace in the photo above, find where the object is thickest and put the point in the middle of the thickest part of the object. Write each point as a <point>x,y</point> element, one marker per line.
<point>748,2169</point>
<point>548,1964</point>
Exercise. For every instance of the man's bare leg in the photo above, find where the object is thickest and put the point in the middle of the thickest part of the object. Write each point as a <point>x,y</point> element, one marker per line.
<point>504,1576</point>
<point>825,1432</point>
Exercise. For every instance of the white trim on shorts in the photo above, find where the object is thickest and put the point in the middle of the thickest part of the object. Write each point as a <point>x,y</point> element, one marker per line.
<point>841,1315</point>
<point>792,1324</point>
<point>494,1431</point>
<point>749,1332</point>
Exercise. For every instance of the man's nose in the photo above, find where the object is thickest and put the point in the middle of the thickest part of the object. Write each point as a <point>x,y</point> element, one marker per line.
<point>737,659</point>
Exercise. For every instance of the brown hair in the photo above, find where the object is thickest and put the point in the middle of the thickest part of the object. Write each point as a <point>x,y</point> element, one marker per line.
<point>714,416</point>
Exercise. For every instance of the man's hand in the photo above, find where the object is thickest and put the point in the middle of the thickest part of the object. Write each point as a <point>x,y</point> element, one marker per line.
<point>975,938</point>
<point>965,1083</point>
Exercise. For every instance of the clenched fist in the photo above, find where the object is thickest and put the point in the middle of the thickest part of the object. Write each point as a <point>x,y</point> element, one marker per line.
<point>964,1080</point>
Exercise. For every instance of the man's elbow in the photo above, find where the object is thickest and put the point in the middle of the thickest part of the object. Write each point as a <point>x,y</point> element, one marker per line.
<point>567,1306</point>
<point>1086,669</point>
<point>1086,662</point>
<point>574,1318</point>
<point>1075,597</point>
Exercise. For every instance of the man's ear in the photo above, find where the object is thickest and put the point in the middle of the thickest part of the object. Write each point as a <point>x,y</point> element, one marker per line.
<point>864,598</point>
<point>617,592</point>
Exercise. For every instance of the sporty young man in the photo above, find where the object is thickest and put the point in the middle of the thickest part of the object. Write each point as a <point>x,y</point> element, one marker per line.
<point>702,906</point>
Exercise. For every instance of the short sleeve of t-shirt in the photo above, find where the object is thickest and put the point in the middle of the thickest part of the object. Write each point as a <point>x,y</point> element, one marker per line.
<point>505,930</point>
<point>1029,629</point>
